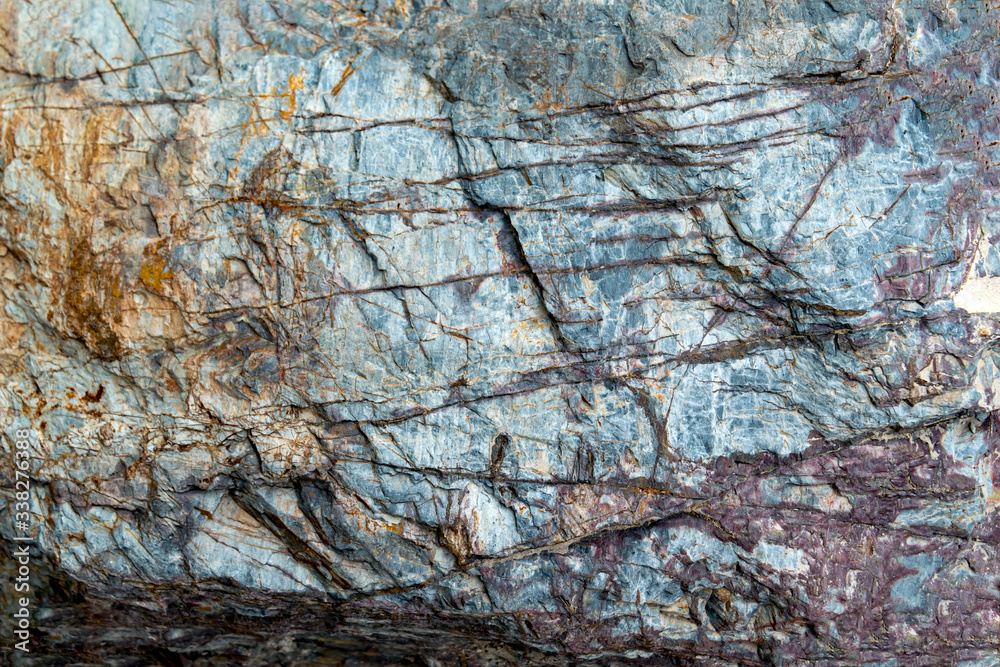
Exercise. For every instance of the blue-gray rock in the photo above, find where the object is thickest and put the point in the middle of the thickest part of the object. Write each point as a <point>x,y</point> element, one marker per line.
<point>625,332</point>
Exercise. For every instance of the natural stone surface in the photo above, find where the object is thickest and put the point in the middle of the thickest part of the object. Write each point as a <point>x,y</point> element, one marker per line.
<point>483,333</point>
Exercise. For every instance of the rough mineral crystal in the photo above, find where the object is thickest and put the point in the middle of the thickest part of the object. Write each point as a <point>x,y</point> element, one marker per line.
<point>497,333</point>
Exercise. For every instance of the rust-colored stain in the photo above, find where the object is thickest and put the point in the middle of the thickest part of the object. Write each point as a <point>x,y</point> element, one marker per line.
<point>153,271</point>
<point>401,7</point>
<point>91,145</point>
<point>50,158</point>
<point>294,84</point>
<point>256,126</point>
<point>87,305</point>
<point>348,71</point>
<point>9,143</point>
<point>154,274</point>
<point>95,396</point>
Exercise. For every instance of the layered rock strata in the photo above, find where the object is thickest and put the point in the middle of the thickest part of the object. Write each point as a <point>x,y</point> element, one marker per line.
<point>532,332</point>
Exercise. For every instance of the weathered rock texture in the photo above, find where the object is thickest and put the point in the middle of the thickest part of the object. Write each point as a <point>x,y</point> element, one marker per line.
<point>480,332</point>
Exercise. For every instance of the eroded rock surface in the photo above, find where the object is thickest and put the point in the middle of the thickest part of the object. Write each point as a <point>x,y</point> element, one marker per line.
<point>519,332</point>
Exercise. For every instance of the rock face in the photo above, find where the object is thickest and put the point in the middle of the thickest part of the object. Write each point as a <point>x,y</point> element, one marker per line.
<point>487,333</point>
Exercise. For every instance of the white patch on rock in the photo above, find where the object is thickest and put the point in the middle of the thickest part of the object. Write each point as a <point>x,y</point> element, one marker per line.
<point>781,558</point>
<point>491,525</point>
<point>979,295</point>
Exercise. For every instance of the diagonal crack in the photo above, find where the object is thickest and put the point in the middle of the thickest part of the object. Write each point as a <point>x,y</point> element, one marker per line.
<point>267,516</point>
<point>513,238</point>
